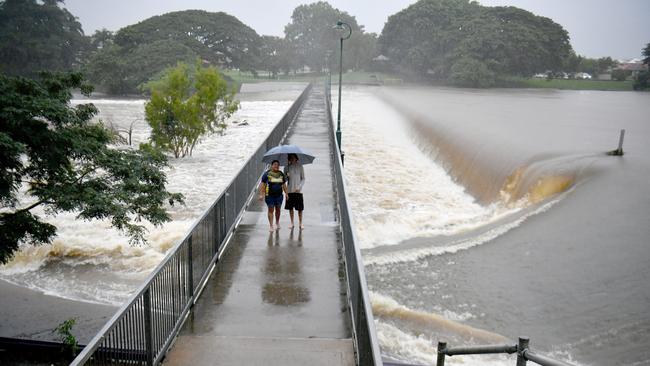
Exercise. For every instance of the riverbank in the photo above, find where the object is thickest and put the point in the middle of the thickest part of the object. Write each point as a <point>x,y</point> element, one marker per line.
<point>29,314</point>
<point>378,78</point>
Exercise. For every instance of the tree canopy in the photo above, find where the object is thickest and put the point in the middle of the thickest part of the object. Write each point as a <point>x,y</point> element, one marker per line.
<point>52,155</point>
<point>186,104</point>
<point>441,39</point>
<point>38,35</point>
<point>137,53</point>
<point>642,80</point>
<point>313,41</point>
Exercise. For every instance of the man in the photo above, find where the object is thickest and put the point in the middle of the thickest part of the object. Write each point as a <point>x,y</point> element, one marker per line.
<point>271,188</point>
<point>295,180</point>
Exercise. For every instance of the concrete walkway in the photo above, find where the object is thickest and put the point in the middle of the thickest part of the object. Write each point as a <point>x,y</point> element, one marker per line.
<point>278,298</point>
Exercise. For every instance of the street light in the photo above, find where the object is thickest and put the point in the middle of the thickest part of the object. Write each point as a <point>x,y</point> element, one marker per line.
<point>339,25</point>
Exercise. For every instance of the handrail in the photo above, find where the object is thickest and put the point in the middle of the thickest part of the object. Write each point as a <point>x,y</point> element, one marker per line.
<point>363,324</point>
<point>144,327</point>
<point>524,353</point>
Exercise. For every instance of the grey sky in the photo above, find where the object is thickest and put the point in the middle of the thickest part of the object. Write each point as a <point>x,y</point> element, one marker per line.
<point>597,27</point>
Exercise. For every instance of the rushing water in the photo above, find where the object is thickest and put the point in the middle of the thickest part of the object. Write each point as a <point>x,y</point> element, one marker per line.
<point>488,215</point>
<point>89,260</point>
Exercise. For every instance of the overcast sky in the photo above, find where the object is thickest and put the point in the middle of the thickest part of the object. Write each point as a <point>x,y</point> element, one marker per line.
<point>597,28</point>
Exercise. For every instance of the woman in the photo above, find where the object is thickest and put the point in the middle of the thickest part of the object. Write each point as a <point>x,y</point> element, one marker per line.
<point>295,180</point>
<point>271,188</point>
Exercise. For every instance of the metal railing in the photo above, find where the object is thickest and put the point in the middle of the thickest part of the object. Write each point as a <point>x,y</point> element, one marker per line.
<point>524,354</point>
<point>363,325</point>
<point>142,330</point>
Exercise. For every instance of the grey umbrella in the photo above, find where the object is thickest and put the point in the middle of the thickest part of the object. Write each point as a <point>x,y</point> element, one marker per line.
<point>282,152</point>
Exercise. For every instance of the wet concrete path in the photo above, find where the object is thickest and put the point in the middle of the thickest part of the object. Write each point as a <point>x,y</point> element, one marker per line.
<point>278,298</point>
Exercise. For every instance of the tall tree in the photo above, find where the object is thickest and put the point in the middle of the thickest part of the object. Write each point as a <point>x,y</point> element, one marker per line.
<point>141,51</point>
<point>430,37</point>
<point>51,155</point>
<point>642,80</point>
<point>38,35</point>
<point>186,104</point>
<point>311,33</point>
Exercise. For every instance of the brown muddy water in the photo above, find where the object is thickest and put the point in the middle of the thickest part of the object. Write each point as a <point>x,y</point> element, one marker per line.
<point>490,214</point>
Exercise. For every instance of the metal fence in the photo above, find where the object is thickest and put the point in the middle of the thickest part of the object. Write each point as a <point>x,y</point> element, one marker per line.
<point>524,353</point>
<point>365,335</point>
<point>142,330</point>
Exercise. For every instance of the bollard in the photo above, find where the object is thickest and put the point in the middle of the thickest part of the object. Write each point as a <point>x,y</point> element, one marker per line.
<point>442,347</point>
<point>521,347</point>
<point>620,143</point>
<point>619,150</point>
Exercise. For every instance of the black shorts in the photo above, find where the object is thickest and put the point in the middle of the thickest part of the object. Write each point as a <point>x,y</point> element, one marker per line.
<point>295,202</point>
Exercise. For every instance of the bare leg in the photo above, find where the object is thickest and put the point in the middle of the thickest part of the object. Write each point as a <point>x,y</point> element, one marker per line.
<point>300,220</point>
<point>291,217</point>
<point>277,217</point>
<point>270,216</point>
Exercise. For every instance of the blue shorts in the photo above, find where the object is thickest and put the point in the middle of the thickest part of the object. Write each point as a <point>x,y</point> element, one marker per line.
<point>273,201</point>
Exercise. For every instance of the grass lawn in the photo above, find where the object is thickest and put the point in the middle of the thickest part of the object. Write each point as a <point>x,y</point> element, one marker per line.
<point>354,77</point>
<point>574,84</point>
<point>362,77</point>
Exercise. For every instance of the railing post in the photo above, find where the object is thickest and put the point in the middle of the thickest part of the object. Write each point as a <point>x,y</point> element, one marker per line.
<point>521,348</point>
<point>442,347</point>
<point>190,267</point>
<point>148,331</point>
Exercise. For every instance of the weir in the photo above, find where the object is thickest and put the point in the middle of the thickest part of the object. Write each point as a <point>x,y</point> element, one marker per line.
<point>231,292</point>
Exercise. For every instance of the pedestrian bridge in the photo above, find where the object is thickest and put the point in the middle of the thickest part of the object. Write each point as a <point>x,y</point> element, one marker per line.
<point>233,293</point>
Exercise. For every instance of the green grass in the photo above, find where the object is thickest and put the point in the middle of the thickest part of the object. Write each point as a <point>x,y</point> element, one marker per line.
<point>354,77</point>
<point>574,84</point>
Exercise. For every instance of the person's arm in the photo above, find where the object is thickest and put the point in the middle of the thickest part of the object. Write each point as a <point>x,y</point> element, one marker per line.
<point>284,186</point>
<point>263,186</point>
<point>302,177</point>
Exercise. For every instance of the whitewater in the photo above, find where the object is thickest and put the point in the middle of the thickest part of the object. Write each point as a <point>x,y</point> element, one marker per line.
<point>92,262</point>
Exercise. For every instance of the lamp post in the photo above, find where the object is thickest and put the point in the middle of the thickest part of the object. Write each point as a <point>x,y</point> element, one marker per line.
<point>339,25</point>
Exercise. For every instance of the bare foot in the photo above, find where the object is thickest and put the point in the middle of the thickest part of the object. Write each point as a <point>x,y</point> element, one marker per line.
<point>302,226</point>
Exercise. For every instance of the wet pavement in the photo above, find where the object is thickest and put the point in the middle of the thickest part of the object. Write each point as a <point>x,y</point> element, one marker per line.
<point>278,297</point>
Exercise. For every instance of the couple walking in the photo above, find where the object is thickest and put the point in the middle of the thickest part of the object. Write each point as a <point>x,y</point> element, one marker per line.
<point>275,182</point>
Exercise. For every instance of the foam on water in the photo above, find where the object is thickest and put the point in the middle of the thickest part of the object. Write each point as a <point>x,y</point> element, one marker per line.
<point>396,190</point>
<point>90,260</point>
<point>411,335</point>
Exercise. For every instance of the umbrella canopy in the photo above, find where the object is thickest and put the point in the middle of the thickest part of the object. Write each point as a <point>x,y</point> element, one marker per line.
<point>282,152</point>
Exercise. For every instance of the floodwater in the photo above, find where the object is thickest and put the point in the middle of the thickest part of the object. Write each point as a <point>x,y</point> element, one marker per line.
<point>485,215</point>
<point>92,262</point>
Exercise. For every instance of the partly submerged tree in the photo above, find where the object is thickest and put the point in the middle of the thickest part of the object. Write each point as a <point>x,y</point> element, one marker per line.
<point>52,155</point>
<point>39,35</point>
<point>186,104</point>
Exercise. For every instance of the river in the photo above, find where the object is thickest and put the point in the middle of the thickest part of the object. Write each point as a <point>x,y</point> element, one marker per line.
<point>89,261</point>
<point>485,215</point>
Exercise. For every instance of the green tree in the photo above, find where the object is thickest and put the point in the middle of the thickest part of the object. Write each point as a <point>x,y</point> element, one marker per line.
<point>38,35</point>
<point>428,39</point>
<point>140,52</point>
<point>359,50</point>
<point>472,73</point>
<point>311,33</point>
<point>271,54</point>
<point>642,80</point>
<point>620,75</point>
<point>51,155</point>
<point>185,105</point>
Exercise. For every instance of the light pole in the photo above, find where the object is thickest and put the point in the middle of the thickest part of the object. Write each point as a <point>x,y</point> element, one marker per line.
<point>339,25</point>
